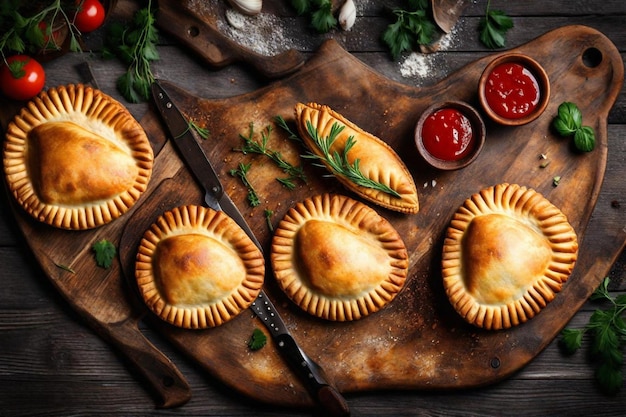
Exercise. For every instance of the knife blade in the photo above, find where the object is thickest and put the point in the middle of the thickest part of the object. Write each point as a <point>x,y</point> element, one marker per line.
<point>326,395</point>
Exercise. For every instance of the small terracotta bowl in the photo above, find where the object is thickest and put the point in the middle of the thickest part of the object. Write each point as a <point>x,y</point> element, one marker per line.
<point>477,141</point>
<point>535,69</point>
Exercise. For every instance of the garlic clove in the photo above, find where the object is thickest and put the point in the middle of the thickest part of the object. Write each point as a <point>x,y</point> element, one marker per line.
<point>249,7</point>
<point>347,15</point>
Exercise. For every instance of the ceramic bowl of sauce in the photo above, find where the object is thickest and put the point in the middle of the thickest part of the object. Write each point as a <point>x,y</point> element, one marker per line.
<point>514,89</point>
<point>450,135</point>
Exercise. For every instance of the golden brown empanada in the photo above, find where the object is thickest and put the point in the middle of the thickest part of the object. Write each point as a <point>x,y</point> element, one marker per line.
<point>337,258</point>
<point>377,160</point>
<point>75,158</point>
<point>196,268</point>
<point>507,252</point>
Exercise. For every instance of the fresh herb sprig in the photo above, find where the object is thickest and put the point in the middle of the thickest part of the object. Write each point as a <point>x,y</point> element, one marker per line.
<point>136,45</point>
<point>104,252</point>
<point>251,146</point>
<point>493,27</point>
<point>22,33</point>
<point>569,122</point>
<point>320,13</point>
<point>268,219</point>
<point>412,28</point>
<point>607,331</point>
<point>203,132</point>
<point>338,161</point>
<point>257,340</point>
<point>242,172</point>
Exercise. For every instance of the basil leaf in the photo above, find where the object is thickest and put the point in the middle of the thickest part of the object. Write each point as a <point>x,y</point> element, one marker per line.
<point>585,139</point>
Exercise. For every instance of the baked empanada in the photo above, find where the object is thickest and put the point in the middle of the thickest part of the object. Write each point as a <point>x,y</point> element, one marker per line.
<point>506,254</point>
<point>376,160</point>
<point>196,268</point>
<point>75,158</point>
<point>337,259</point>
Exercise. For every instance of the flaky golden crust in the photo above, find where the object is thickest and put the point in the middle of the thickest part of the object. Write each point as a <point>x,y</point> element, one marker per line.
<point>337,259</point>
<point>377,160</point>
<point>196,268</point>
<point>507,253</point>
<point>75,158</point>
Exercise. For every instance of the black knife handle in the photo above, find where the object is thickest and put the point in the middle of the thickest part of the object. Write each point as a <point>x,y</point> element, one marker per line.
<point>327,396</point>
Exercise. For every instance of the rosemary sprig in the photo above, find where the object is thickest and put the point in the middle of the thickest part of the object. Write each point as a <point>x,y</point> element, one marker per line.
<point>203,132</point>
<point>338,162</point>
<point>252,146</point>
<point>242,172</point>
<point>282,123</point>
<point>268,219</point>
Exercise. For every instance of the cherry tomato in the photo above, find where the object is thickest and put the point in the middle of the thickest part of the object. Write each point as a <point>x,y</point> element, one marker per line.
<point>30,80</point>
<point>90,15</point>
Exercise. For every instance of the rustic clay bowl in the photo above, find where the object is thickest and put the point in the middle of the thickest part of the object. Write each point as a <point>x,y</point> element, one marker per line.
<point>478,129</point>
<point>542,79</point>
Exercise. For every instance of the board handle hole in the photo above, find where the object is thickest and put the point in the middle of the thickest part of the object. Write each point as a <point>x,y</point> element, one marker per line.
<point>592,57</point>
<point>193,31</point>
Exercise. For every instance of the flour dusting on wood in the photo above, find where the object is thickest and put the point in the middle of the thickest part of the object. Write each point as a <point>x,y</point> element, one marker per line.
<point>263,33</point>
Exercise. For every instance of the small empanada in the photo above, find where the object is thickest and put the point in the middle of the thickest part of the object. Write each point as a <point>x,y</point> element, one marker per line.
<point>196,268</point>
<point>507,252</point>
<point>377,160</point>
<point>337,259</point>
<point>76,159</point>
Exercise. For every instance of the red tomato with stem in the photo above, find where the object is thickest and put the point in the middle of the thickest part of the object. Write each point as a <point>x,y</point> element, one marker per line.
<point>90,15</point>
<point>23,78</point>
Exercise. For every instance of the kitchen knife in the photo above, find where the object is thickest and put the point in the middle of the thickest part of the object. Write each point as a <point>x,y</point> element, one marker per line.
<point>192,153</point>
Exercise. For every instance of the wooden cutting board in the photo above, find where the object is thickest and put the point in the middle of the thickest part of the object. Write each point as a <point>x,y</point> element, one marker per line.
<point>417,342</point>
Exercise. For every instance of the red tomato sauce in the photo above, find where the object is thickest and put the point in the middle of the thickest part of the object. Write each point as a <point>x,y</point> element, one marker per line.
<point>447,134</point>
<point>512,91</point>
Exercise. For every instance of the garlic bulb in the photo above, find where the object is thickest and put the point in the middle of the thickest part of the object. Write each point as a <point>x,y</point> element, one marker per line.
<point>249,7</point>
<point>347,15</point>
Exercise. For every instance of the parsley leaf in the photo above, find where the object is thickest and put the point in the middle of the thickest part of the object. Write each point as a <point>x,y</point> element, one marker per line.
<point>607,332</point>
<point>320,12</point>
<point>105,253</point>
<point>134,44</point>
<point>493,27</point>
<point>257,340</point>
<point>412,28</point>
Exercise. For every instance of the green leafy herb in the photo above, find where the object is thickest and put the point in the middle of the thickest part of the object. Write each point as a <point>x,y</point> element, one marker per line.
<point>252,146</point>
<point>24,32</point>
<point>585,139</point>
<point>242,172</point>
<point>569,119</point>
<point>257,340</point>
<point>338,161</point>
<point>320,13</point>
<point>268,219</point>
<point>282,123</point>
<point>569,122</point>
<point>493,27</point>
<point>607,331</point>
<point>135,44</point>
<point>412,28</point>
<point>201,131</point>
<point>105,253</point>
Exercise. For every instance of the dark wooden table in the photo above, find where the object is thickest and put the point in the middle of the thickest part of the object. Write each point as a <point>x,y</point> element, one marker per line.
<point>51,363</point>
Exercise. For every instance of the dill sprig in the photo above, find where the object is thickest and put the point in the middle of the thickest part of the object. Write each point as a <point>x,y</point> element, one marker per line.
<point>242,172</point>
<point>338,161</point>
<point>251,146</point>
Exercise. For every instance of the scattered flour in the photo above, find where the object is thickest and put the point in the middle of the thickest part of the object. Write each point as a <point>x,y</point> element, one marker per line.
<point>420,65</point>
<point>263,33</point>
